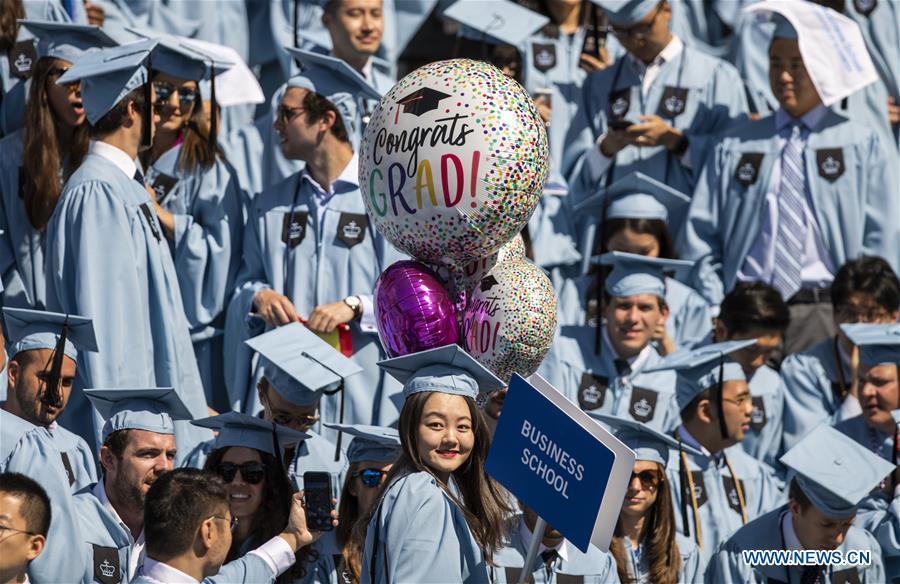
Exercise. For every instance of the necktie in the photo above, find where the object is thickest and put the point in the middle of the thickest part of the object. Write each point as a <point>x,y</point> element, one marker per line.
<point>139,177</point>
<point>792,224</point>
<point>811,575</point>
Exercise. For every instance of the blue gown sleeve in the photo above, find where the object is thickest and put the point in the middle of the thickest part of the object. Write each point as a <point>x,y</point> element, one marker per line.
<point>881,518</point>
<point>806,405</point>
<point>249,568</point>
<point>691,564</point>
<point>725,566</point>
<point>881,236</point>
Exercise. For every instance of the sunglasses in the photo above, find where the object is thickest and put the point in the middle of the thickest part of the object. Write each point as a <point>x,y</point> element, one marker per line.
<point>186,96</point>
<point>252,472</point>
<point>371,477</point>
<point>650,479</point>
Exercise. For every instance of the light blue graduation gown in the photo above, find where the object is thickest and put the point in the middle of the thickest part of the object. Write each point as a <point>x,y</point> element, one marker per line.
<point>725,216</point>
<point>717,498</point>
<point>324,570</point>
<point>22,246</point>
<point>106,549</point>
<point>402,547</point>
<point>763,441</point>
<point>144,14</point>
<point>713,100</point>
<point>78,459</point>
<point>591,380</point>
<point>319,269</point>
<point>28,449</point>
<point>765,533</point>
<point>108,260</point>
<point>812,388</point>
<point>206,248</point>
<point>691,566</point>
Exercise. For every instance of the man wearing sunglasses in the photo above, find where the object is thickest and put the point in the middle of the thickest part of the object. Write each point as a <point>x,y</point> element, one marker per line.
<point>24,524</point>
<point>655,110</point>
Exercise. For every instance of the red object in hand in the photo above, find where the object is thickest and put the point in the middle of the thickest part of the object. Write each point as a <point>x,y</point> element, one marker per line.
<point>341,338</point>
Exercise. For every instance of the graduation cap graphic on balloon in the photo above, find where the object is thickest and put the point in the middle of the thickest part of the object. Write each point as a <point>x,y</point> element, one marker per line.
<point>420,101</point>
<point>488,282</point>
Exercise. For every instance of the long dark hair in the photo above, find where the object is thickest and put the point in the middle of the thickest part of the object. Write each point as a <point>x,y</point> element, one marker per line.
<point>349,537</point>
<point>658,538</point>
<point>483,502</point>
<point>196,152</point>
<point>12,11</point>
<point>45,158</point>
<point>272,515</point>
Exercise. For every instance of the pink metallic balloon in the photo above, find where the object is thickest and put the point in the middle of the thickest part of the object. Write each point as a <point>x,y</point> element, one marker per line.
<point>414,310</point>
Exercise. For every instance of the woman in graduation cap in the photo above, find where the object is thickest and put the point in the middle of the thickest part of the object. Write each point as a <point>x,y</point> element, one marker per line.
<point>246,456</point>
<point>440,516</point>
<point>36,160</point>
<point>371,453</point>
<point>199,205</point>
<point>646,544</point>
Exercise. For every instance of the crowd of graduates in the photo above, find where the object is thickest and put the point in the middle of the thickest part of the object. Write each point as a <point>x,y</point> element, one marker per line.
<point>187,276</point>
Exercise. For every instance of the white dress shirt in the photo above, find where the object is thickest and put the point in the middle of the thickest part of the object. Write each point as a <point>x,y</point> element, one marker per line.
<point>118,157</point>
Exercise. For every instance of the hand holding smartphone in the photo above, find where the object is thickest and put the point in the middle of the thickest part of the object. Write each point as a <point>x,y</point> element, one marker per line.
<point>317,497</point>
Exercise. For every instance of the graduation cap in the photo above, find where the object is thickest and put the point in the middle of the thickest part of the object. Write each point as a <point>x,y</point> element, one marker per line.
<point>625,12</point>
<point>370,443</point>
<point>447,369</point>
<point>66,41</point>
<point>487,283</point>
<point>878,343</point>
<point>421,101</point>
<point>647,443</point>
<point>635,274</point>
<point>61,333</point>
<point>152,409</point>
<point>301,367</point>
<point>496,21</point>
<point>237,429</point>
<point>783,28</point>
<point>834,471</point>
<point>636,196</point>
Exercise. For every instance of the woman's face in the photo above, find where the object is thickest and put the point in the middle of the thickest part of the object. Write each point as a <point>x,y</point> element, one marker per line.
<point>178,98</point>
<point>446,433</point>
<point>630,241</point>
<point>65,100</point>
<point>641,493</point>
<point>244,497</point>
<point>363,486</point>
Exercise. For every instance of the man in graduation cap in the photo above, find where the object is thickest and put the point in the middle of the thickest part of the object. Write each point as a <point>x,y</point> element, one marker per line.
<point>724,487</point>
<point>878,427</point>
<point>830,476</point>
<point>107,256</point>
<point>356,28</point>
<point>41,373</point>
<point>655,110</point>
<point>643,213</point>
<point>310,251</point>
<point>604,367</point>
<point>297,369</point>
<point>772,202</point>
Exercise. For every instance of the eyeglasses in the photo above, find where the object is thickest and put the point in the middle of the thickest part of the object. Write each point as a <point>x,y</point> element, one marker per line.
<point>638,30</point>
<point>4,528</point>
<point>232,522</point>
<point>186,96</point>
<point>295,421</point>
<point>287,114</point>
<point>650,479</point>
<point>851,315</point>
<point>739,401</point>
<point>252,472</point>
<point>371,477</point>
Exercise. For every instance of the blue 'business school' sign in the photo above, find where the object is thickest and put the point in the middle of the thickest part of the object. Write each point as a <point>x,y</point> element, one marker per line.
<point>559,462</point>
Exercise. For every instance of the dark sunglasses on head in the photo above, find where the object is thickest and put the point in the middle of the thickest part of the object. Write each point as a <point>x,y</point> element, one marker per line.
<point>186,96</point>
<point>252,472</point>
<point>371,477</point>
<point>649,479</point>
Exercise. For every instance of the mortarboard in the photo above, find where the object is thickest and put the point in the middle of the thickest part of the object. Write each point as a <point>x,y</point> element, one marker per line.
<point>61,333</point>
<point>625,12</point>
<point>703,368</point>
<point>634,274</point>
<point>834,471</point>
<point>447,369</point>
<point>421,101</point>
<point>152,409</point>
<point>783,28</point>
<point>496,21</point>
<point>299,365</point>
<point>237,429</point>
<point>66,41</point>
<point>636,196</point>
<point>647,443</point>
<point>370,443</point>
<point>878,343</point>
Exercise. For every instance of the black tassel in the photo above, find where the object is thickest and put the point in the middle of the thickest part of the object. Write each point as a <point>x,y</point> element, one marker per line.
<point>147,114</point>
<point>213,110</point>
<point>723,429</point>
<point>53,396</point>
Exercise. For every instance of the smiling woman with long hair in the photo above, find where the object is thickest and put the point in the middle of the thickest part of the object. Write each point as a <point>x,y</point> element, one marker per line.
<point>439,476</point>
<point>36,160</point>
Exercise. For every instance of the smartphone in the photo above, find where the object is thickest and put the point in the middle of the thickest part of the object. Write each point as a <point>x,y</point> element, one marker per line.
<point>317,500</point>
<point>545,94</point>
<point>594,33</point>
<point>619,124</point>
